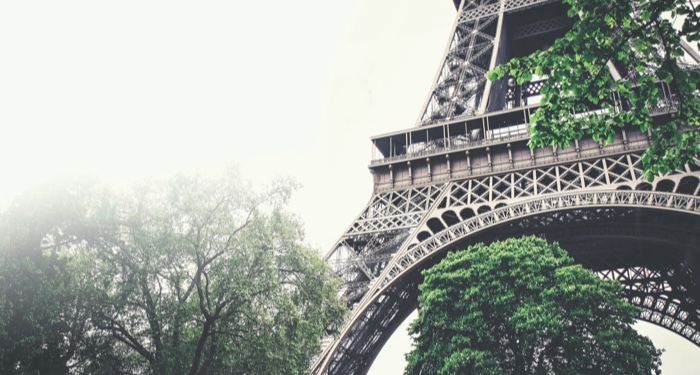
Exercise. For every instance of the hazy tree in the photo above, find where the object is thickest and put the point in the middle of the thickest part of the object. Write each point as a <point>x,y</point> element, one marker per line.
<point>196,275</point>
<point>521,306</point>
<point>43,315</point>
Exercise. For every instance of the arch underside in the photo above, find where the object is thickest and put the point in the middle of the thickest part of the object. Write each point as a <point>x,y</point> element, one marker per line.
<point>653,253</point>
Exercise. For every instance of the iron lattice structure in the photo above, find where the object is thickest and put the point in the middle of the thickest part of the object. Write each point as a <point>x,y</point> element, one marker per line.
<point>465,174</point>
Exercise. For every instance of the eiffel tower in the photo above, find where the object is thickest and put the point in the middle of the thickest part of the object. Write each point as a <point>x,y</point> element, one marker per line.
<point>465,174</point>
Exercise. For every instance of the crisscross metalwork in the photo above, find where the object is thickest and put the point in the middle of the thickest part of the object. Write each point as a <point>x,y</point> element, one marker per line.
<point>468,175</point>
<point>647,288</point>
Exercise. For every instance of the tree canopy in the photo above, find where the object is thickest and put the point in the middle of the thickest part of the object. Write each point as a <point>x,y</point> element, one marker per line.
<point>642,42</point>
<point>521,306</point>
<point>195,275</point>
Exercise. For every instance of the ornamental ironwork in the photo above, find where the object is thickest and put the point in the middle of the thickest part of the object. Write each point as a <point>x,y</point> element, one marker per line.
<point>466,174</point>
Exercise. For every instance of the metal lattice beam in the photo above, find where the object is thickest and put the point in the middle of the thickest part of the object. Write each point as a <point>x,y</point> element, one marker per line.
<point>435,190</point>
<point>573,202</point>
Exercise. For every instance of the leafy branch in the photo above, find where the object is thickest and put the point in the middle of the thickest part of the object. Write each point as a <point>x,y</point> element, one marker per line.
<point>638,38</point>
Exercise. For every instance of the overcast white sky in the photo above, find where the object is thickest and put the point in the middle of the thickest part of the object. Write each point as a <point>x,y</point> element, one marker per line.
<point>131,89</point>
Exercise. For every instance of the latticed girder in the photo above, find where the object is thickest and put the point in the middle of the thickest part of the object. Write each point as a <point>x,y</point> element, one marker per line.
<point>459,177</point>
<point>400,218</point>
<point>376,234</point>
<point>466,198</point>
<point>662,296</point>
<point>412,256</point>
<point>395,209</point>
<point>474,9</point>
<point>461,85</point>
<point>669,286</point>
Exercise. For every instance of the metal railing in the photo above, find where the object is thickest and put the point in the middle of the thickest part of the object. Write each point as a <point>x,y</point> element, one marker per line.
<point>452,144</point>
<point>455,144</point>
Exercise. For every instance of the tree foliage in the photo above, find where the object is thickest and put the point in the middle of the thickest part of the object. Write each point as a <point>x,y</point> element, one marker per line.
<point>197,275</point>
<point>640,40</point>
<point>42,311</point>
<point>521,306</point>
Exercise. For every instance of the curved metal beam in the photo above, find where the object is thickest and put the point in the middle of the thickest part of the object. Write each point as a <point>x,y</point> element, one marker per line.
<point>413,257</point>
<point>550,203</point>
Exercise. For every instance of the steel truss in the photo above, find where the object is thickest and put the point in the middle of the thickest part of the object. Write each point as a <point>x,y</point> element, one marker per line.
<point>400,229</point>
<point>663,297</point>
<point>406,216</point>
<point>461,87</point>
<point>474,9</point>
<point>443,198</point>
<point>661,302</point>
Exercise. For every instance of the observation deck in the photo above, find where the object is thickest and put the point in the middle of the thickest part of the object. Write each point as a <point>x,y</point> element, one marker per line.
<point>485,144</point>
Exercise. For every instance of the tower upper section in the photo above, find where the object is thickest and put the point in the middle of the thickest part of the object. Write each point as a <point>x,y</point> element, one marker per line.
<point>486,33</point>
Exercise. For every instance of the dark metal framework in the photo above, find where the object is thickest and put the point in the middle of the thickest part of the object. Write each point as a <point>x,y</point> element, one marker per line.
<point>466,175</point>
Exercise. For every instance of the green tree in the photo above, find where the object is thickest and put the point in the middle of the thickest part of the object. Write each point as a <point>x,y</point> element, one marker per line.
<point>42,312</point>
<point>196,275</point>
<point>521,306</point>
<point>637,39</point>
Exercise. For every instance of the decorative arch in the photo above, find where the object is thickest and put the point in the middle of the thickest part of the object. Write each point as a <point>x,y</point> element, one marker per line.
<point>665,185</point>
<point>435,225</point>
<point>643,186</point>
<point>688,185</point>
<point>377,306</point>
<point>424,235</point>
<point>450,218</point>
<point>467,213</point>
<point>549,203</point>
